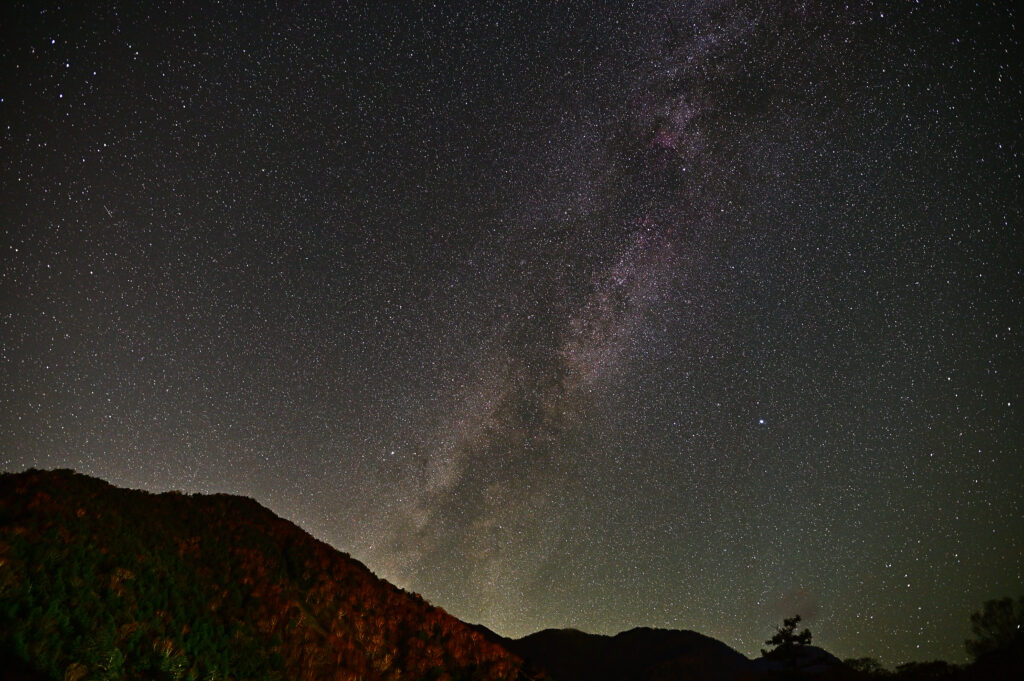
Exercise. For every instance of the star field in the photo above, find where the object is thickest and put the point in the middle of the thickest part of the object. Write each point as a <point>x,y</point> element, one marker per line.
<point>597,315</point>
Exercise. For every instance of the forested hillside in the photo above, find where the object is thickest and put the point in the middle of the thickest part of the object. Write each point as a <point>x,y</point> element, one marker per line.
<point>98,582</point>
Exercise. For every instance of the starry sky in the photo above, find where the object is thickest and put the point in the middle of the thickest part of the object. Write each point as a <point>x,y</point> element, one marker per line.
<point>562,314</point>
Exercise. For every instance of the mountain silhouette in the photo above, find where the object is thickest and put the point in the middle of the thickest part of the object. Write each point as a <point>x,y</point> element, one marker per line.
<point>99,582</point>
<point>637,655</point>
<point>102,582</point>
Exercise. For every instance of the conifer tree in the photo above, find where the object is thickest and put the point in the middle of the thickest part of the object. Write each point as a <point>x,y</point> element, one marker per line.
<point>787,642</point>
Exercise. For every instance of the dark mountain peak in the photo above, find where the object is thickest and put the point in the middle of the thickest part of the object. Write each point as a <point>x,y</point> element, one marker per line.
<point>640,653</point>
<point>564,633</point>
<point>666,635</point>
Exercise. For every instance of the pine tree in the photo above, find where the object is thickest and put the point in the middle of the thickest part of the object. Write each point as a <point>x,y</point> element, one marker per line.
<point>787,642</point>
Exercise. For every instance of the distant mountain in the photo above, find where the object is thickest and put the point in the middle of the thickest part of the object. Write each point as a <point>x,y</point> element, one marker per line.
<point>98,582</point>
<point>635,655</point>
<point>665,655</point>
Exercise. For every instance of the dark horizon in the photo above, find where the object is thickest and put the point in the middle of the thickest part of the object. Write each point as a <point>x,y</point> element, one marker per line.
<point>561,314</point>
<point>48,497</point>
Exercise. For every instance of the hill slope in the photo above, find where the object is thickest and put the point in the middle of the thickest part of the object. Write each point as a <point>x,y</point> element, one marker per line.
<point>102,582</point>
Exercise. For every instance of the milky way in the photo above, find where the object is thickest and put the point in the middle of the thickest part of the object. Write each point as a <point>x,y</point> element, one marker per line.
<point>691,315</point>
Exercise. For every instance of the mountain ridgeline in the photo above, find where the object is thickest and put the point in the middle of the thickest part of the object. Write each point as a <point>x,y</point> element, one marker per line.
<point>102,583</point>
<point>635,655</point>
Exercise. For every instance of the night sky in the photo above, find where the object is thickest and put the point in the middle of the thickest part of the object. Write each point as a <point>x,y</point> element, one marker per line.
<point>598,315</point>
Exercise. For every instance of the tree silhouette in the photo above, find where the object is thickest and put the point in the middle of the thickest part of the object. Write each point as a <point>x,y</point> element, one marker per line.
<point>786,637</point>
<point>787,642</point>
<point>998,627</point>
